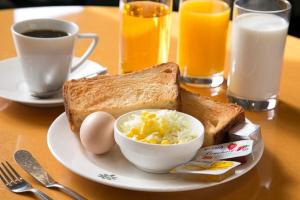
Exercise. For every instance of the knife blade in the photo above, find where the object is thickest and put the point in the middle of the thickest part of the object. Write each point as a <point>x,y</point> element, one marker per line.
<point>32,167</point>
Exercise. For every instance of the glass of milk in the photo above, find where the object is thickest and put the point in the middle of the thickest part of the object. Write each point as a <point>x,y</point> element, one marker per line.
<point>259,33</point>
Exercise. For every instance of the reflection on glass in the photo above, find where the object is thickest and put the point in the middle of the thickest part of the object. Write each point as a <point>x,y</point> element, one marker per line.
<point>145,33</point>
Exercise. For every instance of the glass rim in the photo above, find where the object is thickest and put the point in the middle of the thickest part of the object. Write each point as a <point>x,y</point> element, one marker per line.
<point>286,2</point>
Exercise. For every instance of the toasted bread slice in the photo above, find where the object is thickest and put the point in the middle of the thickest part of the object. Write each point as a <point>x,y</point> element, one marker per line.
<point>155,87</point>
<point>218,118</point>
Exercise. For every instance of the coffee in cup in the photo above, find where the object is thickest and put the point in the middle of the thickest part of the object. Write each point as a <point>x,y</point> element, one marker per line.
<point>45,48</point>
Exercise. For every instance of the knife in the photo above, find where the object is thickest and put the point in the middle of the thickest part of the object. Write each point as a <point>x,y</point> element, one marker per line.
<point>31,166</point>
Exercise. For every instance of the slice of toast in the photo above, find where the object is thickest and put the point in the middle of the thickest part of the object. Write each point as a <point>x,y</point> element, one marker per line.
<point>155,87</point>
<point>218,118</point>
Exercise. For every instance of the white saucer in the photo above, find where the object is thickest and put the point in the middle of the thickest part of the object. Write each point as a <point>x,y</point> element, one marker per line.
<point>114,170</point>
<point>14,88</point>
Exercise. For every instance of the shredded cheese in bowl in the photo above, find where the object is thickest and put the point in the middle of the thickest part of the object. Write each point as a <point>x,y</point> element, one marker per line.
<point>158,127</point>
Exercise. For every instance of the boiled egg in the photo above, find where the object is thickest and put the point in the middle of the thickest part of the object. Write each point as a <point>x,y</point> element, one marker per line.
<point>97,132</point>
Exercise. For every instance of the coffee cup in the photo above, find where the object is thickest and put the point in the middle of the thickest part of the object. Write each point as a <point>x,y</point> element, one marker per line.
<point>45,48</point>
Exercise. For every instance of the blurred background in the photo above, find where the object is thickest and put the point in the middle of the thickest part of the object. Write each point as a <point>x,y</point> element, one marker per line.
<point>6,4</point>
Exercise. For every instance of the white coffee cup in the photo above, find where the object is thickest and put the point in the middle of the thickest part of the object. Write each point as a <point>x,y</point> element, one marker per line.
<point>46,62</point>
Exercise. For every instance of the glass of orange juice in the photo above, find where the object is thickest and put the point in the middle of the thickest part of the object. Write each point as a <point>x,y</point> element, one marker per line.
<point>145,33</point>
<point>201,52</point>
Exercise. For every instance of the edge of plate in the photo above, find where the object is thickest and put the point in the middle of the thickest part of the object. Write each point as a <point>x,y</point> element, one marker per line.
<point>47,102</point>
<point>112,184</point>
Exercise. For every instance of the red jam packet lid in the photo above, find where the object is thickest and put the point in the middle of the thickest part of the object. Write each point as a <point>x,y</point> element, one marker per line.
<point>225,151</point>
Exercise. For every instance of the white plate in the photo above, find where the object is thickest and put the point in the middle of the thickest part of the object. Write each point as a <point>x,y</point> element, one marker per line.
<point>114,170</point>
<point>14,88</point>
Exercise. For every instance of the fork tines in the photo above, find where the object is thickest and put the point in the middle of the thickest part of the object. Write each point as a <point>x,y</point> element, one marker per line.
<point>9,175</point>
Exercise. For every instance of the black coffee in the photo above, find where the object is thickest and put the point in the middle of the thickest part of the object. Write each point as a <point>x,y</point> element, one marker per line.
<point>45,33</point>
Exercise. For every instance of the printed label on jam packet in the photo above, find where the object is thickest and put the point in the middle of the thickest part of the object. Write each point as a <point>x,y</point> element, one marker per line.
<point>225,151</point>
<point>206,167</point>
<point>206,171</point>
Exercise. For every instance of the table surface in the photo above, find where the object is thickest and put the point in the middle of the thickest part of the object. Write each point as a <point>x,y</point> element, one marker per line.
<point>277,175</point>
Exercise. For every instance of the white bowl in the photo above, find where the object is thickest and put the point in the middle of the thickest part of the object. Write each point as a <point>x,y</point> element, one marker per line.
<point>156,158</point>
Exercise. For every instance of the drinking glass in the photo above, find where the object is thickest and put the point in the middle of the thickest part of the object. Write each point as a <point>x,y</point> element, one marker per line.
<point>257,47</point>
<point>145,33</point>
<point>201,52</point>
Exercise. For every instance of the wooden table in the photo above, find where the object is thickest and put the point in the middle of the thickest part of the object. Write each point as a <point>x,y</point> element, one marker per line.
<point>277,176</point>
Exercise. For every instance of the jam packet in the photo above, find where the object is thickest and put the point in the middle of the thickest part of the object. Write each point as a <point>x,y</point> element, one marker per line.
<point>207,170</point>
<point>238,151</point>
<point>245,131</point>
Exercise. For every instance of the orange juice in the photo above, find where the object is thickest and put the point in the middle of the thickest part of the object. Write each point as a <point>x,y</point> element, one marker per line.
<point>202,37</point>
<point>145,34</point>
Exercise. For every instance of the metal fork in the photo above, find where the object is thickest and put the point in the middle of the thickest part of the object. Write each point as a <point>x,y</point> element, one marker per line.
<point>16,183</point>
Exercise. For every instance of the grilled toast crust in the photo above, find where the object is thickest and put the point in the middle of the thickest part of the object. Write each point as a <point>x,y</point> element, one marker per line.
<point>218,118</point>
<point>155,87</point>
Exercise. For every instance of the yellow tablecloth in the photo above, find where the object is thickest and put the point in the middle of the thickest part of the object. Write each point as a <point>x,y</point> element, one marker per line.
<point>277,175</point>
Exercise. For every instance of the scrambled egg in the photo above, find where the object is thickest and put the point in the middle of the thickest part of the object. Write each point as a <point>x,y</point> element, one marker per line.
<point>158,127</point>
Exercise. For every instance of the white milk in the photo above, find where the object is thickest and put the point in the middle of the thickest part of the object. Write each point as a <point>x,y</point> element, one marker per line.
<point>258,42</point>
